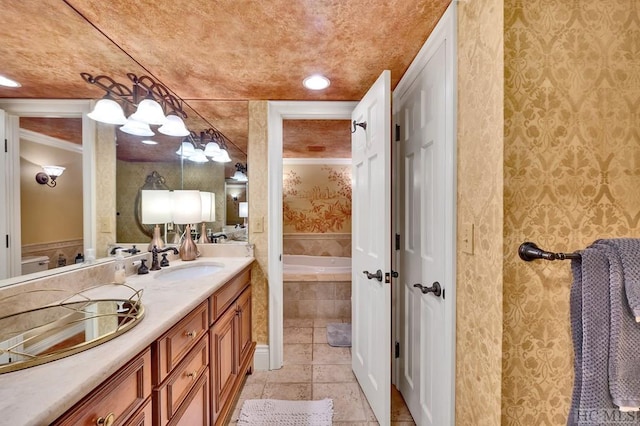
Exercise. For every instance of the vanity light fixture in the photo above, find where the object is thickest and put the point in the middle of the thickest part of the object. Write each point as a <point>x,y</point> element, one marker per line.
<point>210,144</point>
<point>316,82</point>
<point>49,176</point>
<point>7,82</point>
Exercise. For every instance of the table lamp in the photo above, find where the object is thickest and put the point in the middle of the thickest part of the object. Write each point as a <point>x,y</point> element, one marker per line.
<point>156,209</point>
<point>187,210</point>
<point>243,211</point>
<point>208,200</point>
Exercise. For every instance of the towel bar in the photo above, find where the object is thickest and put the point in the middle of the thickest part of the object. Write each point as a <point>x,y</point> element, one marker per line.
<point>529,251</point>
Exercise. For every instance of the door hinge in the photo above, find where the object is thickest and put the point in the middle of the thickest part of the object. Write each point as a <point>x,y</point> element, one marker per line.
<point>397,241</point>
<point>6,144</point>
<point>7,240</point>
<point>397,133</point>
<point>397,350</point>
<point>443,294</point>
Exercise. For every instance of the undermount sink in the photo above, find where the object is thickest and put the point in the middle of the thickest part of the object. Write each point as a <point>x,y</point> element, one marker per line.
<point>187,272</point>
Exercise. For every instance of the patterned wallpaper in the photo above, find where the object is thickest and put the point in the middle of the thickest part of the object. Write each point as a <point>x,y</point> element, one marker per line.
<point>316,198</point>
<point>572,173</point>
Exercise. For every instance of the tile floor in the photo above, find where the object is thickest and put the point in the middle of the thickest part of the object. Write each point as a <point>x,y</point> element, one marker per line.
<point>314,370</point>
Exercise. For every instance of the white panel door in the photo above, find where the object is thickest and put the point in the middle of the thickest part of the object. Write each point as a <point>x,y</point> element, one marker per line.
<point>371,247</point>
<point>427,231</point>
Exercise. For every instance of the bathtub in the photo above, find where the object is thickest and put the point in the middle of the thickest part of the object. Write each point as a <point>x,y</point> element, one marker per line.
<point>301,264</point>
<point>316,287</point>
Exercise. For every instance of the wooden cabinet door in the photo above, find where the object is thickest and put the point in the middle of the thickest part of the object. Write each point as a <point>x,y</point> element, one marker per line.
<point>224,357</point>
<point>244,325</point>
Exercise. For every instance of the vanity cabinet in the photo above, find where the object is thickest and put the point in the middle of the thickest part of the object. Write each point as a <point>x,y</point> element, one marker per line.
<point>190,375</point>
<point>232,347</point>
<point>181,371</point>
<point>123,399</point>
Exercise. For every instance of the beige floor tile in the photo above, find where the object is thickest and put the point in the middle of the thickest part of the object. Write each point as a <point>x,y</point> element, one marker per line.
<point>288,391</point>
<point>298,322</point>
<point>257,377</point>
<point>332,373</point>
<point>399,410</point>
<point>294,373</point>
<point>322,322</point>
<point>320,335</point>
<point>325,354</point>
<point>298,353</point>
<point>251,391</point>
<point>298,335</point>
<point>349,423</point>
<point>347,405</point>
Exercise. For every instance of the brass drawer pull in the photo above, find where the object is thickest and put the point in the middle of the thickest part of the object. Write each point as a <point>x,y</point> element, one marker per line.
<point>191,334</point>
<point>191,375</point>
<point>109,420</point>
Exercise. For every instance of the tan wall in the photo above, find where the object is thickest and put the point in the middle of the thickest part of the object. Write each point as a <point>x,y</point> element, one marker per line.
<point>572,90</point>
<point>479,202</point>
<point>258,189</point>
<point>105,158</point>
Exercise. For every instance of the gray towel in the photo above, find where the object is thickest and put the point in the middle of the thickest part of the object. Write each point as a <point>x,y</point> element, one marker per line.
<point>629,251</point>
<point>590,329</point>
<point>624,336</point>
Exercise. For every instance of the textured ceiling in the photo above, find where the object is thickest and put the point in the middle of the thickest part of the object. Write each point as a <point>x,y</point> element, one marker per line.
<point>215,55</point>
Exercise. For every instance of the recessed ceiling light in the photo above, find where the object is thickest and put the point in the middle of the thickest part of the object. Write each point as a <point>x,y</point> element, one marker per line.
<point>4,81</point>
<point>149,142</point>
<point>316,82</point>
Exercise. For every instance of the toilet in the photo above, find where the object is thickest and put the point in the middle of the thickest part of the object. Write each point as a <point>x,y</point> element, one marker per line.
<point>31,264</point>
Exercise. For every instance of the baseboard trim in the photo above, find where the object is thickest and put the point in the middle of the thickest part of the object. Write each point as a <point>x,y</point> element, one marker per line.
<point>261,358</point>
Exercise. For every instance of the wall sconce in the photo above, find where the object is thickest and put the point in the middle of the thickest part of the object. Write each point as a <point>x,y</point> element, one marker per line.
<point>240,174</point>
<point>49,176</point>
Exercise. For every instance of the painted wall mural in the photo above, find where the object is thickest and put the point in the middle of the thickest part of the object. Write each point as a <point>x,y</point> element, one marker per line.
<point>316,198</point>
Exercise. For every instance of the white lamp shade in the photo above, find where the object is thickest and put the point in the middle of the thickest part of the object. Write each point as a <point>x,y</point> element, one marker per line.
<point>187,206</point>
<point>53,171</point>
<point>243,209</point>
<point>156,206</point>
<point>108,111</point>
<point>186,149</point>
<point>211,149</point>
<point>239,176</point>
<point>208,200</point>
<point>223,157</point>
<point>198,156</point>
<point>150,112</point>
<point>137,128</point>
<point>174,126</point>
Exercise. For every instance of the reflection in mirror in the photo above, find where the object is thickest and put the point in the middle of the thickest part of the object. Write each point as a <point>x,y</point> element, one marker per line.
<point>235,193</point>
<point>50,217</point>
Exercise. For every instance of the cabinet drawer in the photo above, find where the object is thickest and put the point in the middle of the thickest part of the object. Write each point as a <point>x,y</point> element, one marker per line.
<point>180,382</point>
<point>118,397</point>
<point>143,417</point>
<point>177,342</point>
<point>195,410</point>
<point>227,294</point>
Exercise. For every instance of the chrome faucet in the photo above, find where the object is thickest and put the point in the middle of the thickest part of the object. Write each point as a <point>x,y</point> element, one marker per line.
<point>155,265</point>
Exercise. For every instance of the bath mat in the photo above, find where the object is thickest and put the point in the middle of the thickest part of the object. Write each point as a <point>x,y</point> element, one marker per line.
<point>339,334</point>
<point>274,412</point>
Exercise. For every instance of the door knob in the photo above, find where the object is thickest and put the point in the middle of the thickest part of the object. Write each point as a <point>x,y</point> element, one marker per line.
<point>377,275</point>
<point>435,289</point>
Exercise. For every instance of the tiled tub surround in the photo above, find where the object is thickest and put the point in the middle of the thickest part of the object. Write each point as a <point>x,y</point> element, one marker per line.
<point>317,296</point>
<point>40,394</point>
<point>338,245</point>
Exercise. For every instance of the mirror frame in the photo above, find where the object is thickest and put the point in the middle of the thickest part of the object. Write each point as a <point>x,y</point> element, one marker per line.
<point>58,108</point>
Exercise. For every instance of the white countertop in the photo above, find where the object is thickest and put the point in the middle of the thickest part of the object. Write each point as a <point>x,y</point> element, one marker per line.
<point>39,395</point>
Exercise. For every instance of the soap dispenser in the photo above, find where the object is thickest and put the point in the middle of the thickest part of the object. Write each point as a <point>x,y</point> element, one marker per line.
<point>120,275</point>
